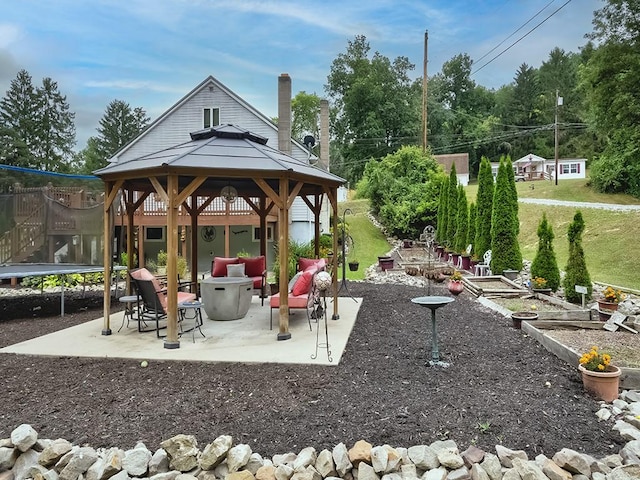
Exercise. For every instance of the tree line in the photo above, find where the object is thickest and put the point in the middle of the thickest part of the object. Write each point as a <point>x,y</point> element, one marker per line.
<point>376,109</point>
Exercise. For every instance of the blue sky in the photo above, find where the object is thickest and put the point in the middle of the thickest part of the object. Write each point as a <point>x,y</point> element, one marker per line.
<point>150,53</point>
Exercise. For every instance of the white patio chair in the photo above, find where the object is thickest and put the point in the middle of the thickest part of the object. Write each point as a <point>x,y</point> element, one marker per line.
<point>484,268</point>
<point>466,252</point>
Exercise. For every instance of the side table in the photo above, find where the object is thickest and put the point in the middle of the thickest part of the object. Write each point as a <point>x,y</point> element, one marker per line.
<point>195,315</point>
<point>128,301</point>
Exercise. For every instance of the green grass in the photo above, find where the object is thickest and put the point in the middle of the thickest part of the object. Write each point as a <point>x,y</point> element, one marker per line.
<point>369,242</point>
<point>609,240</point>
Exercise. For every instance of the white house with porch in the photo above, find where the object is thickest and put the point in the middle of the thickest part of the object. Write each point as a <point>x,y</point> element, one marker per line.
<point>533,167</point>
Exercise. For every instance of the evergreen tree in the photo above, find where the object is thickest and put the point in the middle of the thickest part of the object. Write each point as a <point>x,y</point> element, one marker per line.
<point>442,211</point>
<point>452,207</point>
<point>576,272</point>
<point>505,251</point>
<point>544,264</point>
<point>484,208</point>
<point>118,126</point>
<point>18,118</point>
<point>462,222</point>
<point>56,132</point>
<point>39,121</point>
<point>471,234</point>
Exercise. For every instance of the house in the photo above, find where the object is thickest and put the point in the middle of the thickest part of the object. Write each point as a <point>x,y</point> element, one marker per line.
<point>225,228</point>
<point>533,167</point>
<point>461,161</point>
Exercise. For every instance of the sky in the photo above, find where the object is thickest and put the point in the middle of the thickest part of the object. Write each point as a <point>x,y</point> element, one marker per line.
<point>150,53</point>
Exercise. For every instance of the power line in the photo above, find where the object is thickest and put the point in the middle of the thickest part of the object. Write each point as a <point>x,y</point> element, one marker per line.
<point>515,31</point>
<point>522,37</point>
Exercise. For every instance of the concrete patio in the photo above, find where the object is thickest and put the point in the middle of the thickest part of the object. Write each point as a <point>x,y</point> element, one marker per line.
<point>247,340</point>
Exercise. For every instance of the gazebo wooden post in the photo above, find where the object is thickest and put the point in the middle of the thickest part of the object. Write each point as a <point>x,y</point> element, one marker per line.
<point>172,341</point>
<point>110,192</point>
<point>332,194</point>
<point>130,236</point>
<point>193,211</point>
<point>283,248</point>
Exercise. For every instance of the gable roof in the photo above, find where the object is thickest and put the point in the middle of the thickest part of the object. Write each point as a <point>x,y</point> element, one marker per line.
<point>461,161</point>
<point>210,81</point>
<point>531,158</point>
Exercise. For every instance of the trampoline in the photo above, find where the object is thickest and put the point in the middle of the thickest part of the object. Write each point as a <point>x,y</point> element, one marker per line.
<point>22,270</point>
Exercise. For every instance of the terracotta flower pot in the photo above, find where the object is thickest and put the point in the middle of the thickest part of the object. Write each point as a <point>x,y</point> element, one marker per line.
<point>607,306</point>
<point>604,385</point>
<point>455,287</point>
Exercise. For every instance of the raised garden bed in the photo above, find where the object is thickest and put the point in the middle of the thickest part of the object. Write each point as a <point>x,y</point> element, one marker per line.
<point>493,285</point>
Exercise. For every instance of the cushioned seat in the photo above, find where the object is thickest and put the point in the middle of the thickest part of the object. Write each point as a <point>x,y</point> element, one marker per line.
<point>254,267</point>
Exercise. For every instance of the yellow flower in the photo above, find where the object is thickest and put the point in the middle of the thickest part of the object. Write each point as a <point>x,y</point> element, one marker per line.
<point>594,360</point>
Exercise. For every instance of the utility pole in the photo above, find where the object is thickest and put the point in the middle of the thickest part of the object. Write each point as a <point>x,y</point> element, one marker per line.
<point>424,92</point>
<point>558,103</point>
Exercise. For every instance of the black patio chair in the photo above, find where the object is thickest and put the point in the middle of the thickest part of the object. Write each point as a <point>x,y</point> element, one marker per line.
<point>152,299</point>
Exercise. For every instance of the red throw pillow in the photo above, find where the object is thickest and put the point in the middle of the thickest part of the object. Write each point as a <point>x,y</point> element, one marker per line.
<point>219,267</point>
<point>254,266</point>
<point>303,285</point>
<point>304,263</point>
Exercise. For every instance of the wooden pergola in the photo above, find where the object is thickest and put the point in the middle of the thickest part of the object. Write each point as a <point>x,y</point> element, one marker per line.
<point>191,175</point>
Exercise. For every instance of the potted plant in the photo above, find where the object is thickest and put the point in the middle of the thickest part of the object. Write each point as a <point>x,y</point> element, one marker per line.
<point>611,299</point>
<point>599,376</point>
<point>161,262</point>
<point>518,317</point>
<point>455,284</point>
<point>539,285</point>
<point>354,264</point>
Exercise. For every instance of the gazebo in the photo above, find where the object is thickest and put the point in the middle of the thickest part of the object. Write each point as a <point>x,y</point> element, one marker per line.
<point>218,161</point>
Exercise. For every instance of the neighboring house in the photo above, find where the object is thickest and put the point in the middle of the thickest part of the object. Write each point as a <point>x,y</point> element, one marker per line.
<point>211,104</point>
<point>534,167</point>
<point>461,161</point>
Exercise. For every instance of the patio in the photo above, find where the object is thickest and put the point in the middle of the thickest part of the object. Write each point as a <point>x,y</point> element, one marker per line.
<point>247,340</point>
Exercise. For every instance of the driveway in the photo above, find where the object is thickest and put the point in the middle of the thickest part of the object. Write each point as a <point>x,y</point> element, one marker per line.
<point>564,203</point>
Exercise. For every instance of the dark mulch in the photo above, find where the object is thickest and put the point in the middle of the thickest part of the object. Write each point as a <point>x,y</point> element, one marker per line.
<point>494,392</point>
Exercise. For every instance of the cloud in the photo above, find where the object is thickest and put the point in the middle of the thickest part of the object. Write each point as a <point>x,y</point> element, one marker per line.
<point>9,34</point>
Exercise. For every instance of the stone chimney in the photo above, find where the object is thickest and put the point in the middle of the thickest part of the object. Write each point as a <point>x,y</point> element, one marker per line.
<point>324,134</point>
<point>284,113</point>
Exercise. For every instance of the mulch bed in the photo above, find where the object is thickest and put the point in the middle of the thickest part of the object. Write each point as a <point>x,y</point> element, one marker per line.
<point>494,392</point>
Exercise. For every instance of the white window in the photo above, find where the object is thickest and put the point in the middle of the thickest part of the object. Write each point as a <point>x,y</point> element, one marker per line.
<point>256,234</point>
<point>211,117</point>
<point>564,168</point>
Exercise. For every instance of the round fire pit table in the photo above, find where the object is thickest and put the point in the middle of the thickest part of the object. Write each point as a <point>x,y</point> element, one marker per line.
<point>226,298</point>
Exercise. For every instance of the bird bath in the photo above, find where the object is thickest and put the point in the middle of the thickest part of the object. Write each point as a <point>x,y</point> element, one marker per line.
<point>433,303</point>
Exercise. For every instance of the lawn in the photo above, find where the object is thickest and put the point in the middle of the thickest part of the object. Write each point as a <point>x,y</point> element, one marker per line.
<point>607,240</point>
<point>368,240</point>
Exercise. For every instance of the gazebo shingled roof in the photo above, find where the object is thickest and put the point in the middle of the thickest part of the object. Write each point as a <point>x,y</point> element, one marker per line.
<point>212,159</point>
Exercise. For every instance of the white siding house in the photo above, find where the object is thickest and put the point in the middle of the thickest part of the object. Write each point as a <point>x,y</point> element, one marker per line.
<point>209,104</point>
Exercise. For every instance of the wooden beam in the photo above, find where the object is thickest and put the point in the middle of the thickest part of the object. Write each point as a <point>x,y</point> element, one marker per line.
<point>275,198</point>
<point>191,188</point>
<point>171,341</point>
<point>159,190</point>
<point>294,194</point>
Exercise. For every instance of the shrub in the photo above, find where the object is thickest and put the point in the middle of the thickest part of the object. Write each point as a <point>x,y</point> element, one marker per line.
<point>544,264</point>
<point>576,272</point>
<point>484,208</point>
<point>505,250</point>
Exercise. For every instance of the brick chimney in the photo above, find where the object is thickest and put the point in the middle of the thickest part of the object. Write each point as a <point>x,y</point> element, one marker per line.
<point>324,135</point>
<point>284,113</point>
